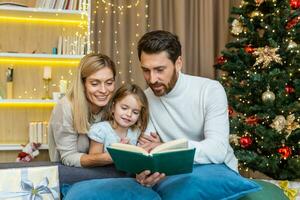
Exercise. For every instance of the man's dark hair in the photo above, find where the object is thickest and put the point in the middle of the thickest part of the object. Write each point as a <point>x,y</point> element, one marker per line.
<point>158,41</point>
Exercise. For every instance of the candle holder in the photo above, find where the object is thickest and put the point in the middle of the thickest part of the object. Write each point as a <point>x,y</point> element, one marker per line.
<point>46,88</point>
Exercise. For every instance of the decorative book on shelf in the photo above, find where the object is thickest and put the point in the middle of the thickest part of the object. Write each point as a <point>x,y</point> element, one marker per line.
<point>173,157</point>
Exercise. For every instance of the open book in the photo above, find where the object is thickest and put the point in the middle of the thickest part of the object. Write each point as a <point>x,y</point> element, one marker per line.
<point>171,158</point>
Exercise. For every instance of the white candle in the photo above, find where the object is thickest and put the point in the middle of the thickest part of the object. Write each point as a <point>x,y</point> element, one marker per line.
<point>39,132</point>
<point>63,84</point>
<point>47,73</point>
<point>45,133</point>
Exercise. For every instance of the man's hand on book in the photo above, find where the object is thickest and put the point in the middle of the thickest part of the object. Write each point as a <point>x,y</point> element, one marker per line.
<point>147,179</point>
<point>149,142</point>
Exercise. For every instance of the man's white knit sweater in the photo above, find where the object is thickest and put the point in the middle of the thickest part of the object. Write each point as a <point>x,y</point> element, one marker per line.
<point>196,109</point>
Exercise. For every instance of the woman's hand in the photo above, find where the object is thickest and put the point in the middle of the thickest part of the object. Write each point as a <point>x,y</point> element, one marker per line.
<point>147,179</point>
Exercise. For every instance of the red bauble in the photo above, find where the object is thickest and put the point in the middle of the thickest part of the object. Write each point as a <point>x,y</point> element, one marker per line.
<point>252,120</point>
<point>285,152</point>
<point>249,48</point>
<point>289,89</point>
<point>295,4</point>
<point>221,60</point>
<point>292,22</point>
<point>245,141</point>
<point>230,111</point>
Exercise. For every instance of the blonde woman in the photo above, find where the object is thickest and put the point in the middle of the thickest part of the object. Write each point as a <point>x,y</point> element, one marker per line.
<point>82,106</point>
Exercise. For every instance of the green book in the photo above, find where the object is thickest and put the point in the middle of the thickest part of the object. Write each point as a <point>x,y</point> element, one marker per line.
<point>170,158</point>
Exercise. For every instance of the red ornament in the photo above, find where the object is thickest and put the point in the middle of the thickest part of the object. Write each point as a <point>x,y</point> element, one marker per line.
<point>245,141</point>
<point>252,120</point>
<point>295,4</point>
<point>285,152</point>
<point>230,111</point>
<point>221,60</point>
<point>289,89</point>
<point>249,48</point>
<point>292,22</point>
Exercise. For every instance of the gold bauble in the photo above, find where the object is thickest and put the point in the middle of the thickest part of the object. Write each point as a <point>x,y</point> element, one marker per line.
<point>292,45</point>
<point>255,14</point>
<point>268,96</point>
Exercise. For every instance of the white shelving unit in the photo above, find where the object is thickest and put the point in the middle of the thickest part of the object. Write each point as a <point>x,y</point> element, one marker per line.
<point>39,56</point>
<point>16,147</point>
<point>26,101</point>
<point>17,113</point>
<point>14,13</point>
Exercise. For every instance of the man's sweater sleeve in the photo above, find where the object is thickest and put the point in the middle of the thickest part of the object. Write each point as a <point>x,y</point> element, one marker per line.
<point>214,147</point>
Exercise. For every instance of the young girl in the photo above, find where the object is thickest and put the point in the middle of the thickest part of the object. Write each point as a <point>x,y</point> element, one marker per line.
<point>126,118</point>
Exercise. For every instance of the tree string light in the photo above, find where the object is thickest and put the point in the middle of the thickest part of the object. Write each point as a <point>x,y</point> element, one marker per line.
<point>141,22</point>
<point>135,4</point>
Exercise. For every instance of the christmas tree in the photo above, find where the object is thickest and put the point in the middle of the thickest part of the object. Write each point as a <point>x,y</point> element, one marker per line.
<point>260,70</point>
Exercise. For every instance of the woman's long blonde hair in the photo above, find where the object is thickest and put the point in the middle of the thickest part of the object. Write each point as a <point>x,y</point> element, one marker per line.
<point>88,65</point>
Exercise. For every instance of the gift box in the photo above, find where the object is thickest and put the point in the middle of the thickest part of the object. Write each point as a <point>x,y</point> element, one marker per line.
<point>291,188</point>
<point>32,183</point>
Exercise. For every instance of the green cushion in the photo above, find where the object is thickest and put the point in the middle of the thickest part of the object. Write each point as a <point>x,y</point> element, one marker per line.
<point>269,191</point>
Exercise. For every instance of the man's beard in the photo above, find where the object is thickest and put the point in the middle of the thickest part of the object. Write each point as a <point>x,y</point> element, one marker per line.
<point>166,88</point>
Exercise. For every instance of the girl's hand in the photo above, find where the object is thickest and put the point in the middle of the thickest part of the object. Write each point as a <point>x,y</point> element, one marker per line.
<point>124,141</point>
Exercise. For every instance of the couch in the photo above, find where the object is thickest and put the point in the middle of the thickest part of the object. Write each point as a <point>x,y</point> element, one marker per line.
<point>70,175</point>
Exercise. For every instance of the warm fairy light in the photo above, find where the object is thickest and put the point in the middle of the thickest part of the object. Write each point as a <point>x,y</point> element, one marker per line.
<point>107,9</point>
<point>128,6</point>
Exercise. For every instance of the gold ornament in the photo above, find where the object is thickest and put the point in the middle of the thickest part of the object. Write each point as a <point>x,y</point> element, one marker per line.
<point>292,45</point>
<point>268,96</point>
<point>266,55</point>
<point>255,14</point>
<point>237,27</point>
<point>243,3</point>
<point>234,139</point>
<point>287,125</point>
<point>278,123</point>
<point>291,125</point>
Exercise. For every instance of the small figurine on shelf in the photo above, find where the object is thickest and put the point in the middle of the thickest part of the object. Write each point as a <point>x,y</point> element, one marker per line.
<point>29,152</point>
<point>46,79</point>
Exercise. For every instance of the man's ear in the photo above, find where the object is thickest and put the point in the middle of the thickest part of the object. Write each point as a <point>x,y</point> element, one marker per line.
<point>178,64</point>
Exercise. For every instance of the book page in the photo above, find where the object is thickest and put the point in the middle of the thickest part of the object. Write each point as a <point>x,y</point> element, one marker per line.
<point>171,146</point>
<point>129,147</point>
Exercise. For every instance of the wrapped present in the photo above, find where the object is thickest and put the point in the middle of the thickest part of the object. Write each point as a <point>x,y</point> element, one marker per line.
<point>32,183</point>
<point>290,188</point>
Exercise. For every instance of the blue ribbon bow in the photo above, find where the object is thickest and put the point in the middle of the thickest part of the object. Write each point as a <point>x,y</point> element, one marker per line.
<point>32,192</point>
